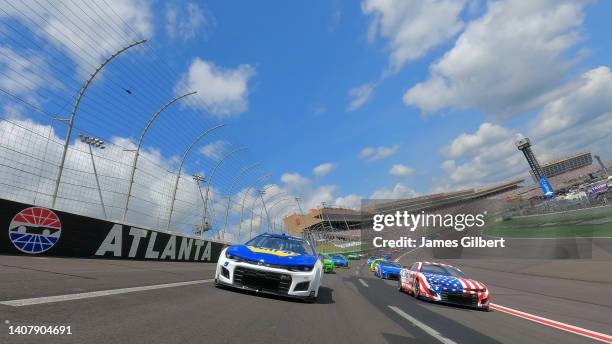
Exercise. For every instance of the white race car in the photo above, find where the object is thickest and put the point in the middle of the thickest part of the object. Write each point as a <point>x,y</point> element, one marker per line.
<point>277,264</point>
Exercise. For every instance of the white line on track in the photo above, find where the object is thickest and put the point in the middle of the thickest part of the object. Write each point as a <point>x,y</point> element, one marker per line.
<point>364,283</point>
<point>430,331</point>
<point>70,297</point>
<point>555,324</point>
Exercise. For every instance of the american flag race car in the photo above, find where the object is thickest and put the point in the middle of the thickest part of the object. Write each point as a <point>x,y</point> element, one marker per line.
<point>443,283</point>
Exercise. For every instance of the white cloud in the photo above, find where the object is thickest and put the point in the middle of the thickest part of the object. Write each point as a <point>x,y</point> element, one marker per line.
<point>360,95</point>
<point>413,27</point>
<point>399,191</point>
<point>30,156</point>
<point>295,180</point>
<point>351,201</point>
<point>186,23</point>
<point>400,170</point>
<point>580,119</point>
<point>488,155</point>
<point>221,91</point>
<point>215,150</point>
<point>66,35</point>
<point>323,169</point>
<point>506,62</point>
<point>22,74</point>
<point>378,153</point>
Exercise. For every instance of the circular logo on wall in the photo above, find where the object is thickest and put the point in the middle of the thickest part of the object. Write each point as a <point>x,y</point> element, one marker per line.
<point>35,230</point>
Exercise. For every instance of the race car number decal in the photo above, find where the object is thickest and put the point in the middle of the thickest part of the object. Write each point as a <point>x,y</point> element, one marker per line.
<point>273,252</point>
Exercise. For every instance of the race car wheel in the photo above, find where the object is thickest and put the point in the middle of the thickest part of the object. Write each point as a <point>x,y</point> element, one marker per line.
<point>417,289</point>
<point>399,285</point>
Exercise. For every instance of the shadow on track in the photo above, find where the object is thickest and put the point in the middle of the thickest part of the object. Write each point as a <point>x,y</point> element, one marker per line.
<point>325,295</point>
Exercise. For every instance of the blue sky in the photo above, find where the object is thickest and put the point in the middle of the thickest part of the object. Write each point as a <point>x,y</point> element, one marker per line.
<point>451,85</point>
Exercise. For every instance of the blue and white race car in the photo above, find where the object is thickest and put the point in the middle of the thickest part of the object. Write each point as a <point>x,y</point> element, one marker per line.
<point>339,260</point>
<point>277,264</point>
<point>388,269</point>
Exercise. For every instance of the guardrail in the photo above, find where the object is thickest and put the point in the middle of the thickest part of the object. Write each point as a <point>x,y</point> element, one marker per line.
<point>33,230</point>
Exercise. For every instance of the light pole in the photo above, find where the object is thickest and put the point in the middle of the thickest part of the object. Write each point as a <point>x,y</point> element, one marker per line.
<point>74,112</point>
<point>178,176</point>
<point>205,226</point>
<point>263,202</point>
<point>297,200</point>
<point>280,214</point>
<point>260,179</point>
<point>214,171</point>
<point>140,140</point>
<point>277,203</point>
<point>95,142</point>
<point>255,199</point>
<point>231,189</point>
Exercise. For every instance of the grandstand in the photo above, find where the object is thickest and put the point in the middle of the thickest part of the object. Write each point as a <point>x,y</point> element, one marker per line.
<point>565,165</point>
<point>343,225</point>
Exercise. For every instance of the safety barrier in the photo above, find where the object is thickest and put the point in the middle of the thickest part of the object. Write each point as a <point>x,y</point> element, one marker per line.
<point>33,230</point>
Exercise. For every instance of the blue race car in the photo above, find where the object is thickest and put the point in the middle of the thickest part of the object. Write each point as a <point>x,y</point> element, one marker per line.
<point>277,264</point>
<point>339,260</point>
<point>371,259</point>
<point>388,269</point>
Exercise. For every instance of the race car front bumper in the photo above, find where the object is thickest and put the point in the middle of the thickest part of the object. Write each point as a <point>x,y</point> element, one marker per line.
<point>390,275</point>
<point>266,279</point>
<point>473,300</point>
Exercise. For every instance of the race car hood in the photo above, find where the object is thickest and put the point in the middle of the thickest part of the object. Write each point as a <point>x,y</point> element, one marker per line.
<point>272,257</point>
<point>390,269</point>
<point>452,283</point>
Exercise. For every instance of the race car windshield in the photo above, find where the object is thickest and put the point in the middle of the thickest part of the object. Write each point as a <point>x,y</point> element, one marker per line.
<point>394,264</point>
<point>442,270</point>
<point>282,244</point>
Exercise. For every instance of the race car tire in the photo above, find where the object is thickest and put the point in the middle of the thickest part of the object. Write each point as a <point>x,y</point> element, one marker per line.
<point>417,289</point>
<point>399,285</point>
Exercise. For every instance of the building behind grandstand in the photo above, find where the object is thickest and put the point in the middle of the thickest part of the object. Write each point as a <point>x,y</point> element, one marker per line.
<point>347,222</point>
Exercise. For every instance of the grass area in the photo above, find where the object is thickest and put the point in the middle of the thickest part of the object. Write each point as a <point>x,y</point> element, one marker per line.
<point>322,248</point>
<point>583,223</point>
<point>515,230</point>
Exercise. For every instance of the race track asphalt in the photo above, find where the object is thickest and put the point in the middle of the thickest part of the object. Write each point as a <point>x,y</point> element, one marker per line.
<point>353,306</point>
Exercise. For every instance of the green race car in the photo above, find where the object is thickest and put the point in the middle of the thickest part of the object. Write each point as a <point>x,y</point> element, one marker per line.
<point>374,262</point>
<point>328,264</point>
<point>352,256</point>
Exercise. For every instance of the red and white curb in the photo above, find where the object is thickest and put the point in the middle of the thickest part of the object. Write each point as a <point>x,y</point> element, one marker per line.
<point>555,324</point>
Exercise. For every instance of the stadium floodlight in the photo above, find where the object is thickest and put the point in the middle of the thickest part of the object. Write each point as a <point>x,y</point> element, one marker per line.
<point>91,141</point>
<point>255,199</point>
<point>263,202</point>
<point>260,179</point>
<point>214,171</point>
<point>231,189</point>
<point>297,200</point>
<point>178,175</point>
<point>137,150</point>
<point>205,225</point>
<point>74,112</point>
